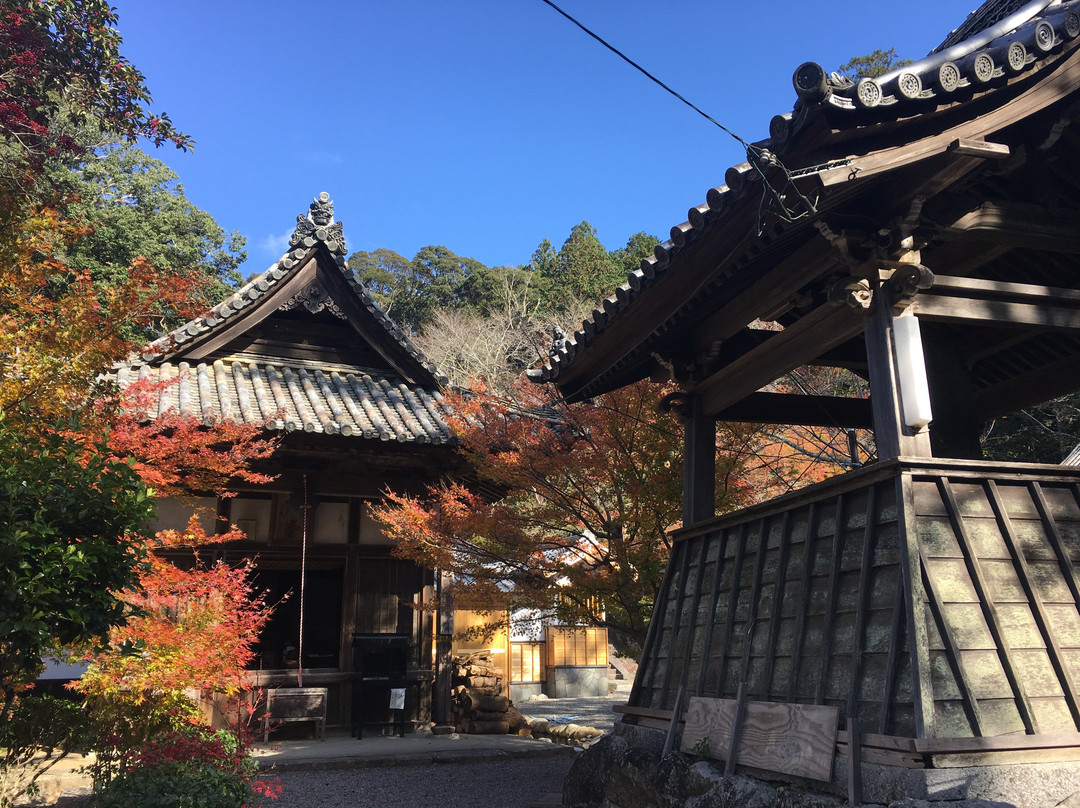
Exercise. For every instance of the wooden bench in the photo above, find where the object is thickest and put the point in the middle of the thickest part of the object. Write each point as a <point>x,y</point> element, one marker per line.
<point>295,704</point>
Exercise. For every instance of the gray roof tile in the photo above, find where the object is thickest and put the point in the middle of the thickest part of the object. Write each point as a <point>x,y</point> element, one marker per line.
<point>296,397</point>
<point>290,395</point>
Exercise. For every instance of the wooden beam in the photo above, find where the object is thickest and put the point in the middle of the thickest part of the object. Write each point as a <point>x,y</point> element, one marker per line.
<point>854,791</point>
<point>700,263</point>
<point>968,700</point>
<point>1043,621</point>
<point>692,618</point>
<point>651,638</point>
<point>798,344</point>
<point>979,148</point>
<point>998,743</point>
<point>803,609</point>
<point>699,463</point>
<point>892,666</point>
<point>250,316</point>
<point>803,266</point>
<point>1016,224</point>
<point>982,585</point>
<point>962,257</point>
<point>779,585</point>
<point>831,595</point>
<point>1017,292</point>
<point>862,606</point>
<point>755,602</point>
<point>807,410</point>
<point>681,553</point>
<point>1041,384</point>
<point>999,312</point>
<point>733,603</point>
<point>718,572</point>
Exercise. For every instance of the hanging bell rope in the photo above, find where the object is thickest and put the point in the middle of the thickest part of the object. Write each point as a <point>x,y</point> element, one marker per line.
<point>303,582</point>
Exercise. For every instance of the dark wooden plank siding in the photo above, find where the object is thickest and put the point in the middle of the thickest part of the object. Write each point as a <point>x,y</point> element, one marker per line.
<point>958,617</point>
<point>1004,600</point>
<point>783,602</point>
<point>387,592</point>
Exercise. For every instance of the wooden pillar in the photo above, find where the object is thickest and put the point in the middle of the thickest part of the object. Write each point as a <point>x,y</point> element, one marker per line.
<point>699,463</point>
<point>349,597</point>
<point>443,647</point>
<point>894,438</point>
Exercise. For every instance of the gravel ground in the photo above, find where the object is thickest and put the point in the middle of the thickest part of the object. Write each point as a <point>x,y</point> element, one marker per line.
<point>588,712</point>
<point>513,783</point>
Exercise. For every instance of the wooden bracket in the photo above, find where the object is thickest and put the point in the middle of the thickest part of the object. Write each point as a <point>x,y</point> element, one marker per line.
<point>972,147</point>
<point>906,281</point>
<point>853,291</point>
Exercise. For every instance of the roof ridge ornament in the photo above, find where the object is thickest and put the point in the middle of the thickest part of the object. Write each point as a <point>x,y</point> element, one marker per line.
<point>319,225</point>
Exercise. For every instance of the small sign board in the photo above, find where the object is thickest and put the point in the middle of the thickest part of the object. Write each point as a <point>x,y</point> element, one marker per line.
<point>796,739</point>
<point>397,698</point>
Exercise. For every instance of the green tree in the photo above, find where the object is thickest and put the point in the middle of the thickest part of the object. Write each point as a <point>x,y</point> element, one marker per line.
<point>512,291</point>
<point>1045,433</point>
<point>436,274</point>
<point>135,206</point>
<point>871,65</point>
<point>583,268</point>
<point>67,508</point>
<point>384,273</point>
<point>638,246</point>
<point>68,515</point>
<point>544,259</point>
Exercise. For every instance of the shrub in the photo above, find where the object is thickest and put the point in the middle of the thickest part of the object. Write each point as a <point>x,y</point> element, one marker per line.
<point>120,725</point>
<point>190,767</point>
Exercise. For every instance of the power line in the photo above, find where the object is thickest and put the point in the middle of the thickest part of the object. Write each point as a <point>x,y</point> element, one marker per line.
<point>757,156</point>
<point>648,75</point>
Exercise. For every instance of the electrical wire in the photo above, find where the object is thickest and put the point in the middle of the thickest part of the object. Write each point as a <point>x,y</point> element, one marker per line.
<point>647,74</point>
<point>773,200</point>
<point>757,156</point>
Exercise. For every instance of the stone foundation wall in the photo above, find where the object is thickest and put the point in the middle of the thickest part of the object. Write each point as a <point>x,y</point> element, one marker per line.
<point>625,770</point>
<point>576,681</point>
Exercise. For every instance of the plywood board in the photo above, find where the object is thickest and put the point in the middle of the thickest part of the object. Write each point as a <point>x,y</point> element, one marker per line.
<point>795,739</point>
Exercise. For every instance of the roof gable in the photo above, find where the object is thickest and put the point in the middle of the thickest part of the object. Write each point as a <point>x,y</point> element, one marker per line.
<point>302,347</point>
<point>311,287</point>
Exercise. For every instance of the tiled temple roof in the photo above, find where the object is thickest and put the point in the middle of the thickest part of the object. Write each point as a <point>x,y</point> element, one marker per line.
<point>286,393</point>
<point>295,397</point>
<point>1002,40</point>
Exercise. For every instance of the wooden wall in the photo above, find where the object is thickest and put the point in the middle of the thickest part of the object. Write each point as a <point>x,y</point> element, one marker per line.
<point>388,592</point>
<point>576,645</point>
<point>998,559</point>
<point>953,615</point>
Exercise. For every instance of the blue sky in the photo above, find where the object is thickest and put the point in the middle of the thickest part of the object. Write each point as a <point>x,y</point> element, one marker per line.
<point>482,125</point>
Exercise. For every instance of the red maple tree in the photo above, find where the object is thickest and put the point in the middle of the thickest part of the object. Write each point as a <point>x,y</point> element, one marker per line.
<point>60,68</point>
<point>570,511</point>
<point>194,626</point>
